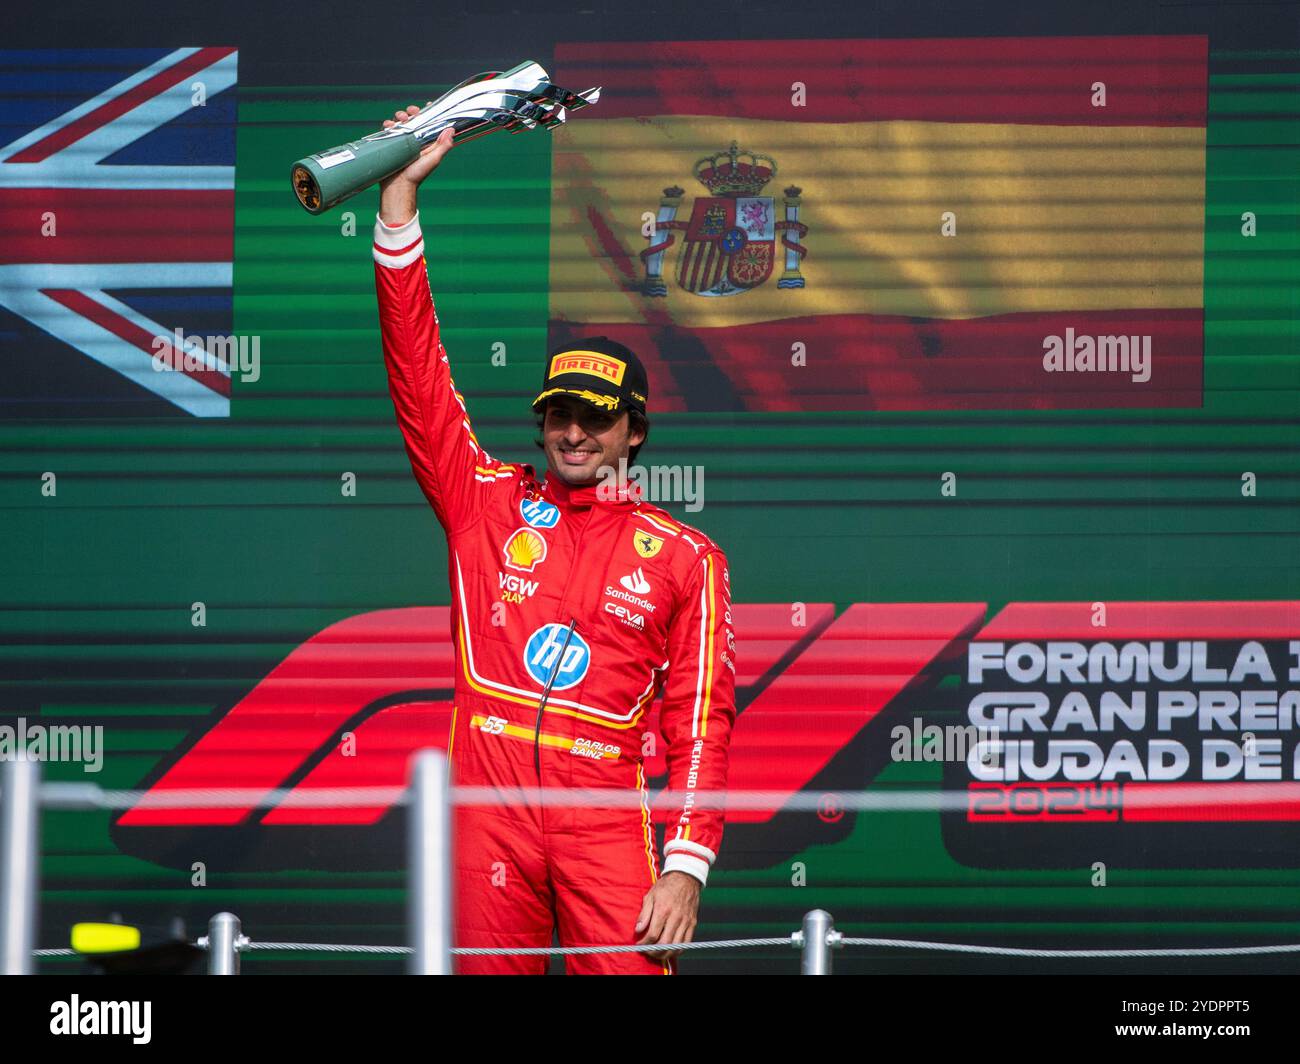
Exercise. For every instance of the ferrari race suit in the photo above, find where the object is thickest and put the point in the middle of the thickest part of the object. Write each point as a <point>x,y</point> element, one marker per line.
<point>649,602</point>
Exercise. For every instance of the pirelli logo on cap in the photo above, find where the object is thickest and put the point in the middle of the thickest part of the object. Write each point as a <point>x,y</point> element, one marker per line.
<point>592,363</point>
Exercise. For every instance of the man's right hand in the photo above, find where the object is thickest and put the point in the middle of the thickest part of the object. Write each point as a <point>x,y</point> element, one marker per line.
<point>397,194</point>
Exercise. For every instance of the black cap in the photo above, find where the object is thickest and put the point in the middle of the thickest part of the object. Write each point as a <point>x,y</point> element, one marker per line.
<point>598,370</point>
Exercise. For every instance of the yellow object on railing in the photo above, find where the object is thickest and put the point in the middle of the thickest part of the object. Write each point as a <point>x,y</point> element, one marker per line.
<point>104,938</point>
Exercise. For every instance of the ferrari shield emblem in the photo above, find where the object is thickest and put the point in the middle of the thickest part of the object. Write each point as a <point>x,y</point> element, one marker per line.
<point>646,545</point>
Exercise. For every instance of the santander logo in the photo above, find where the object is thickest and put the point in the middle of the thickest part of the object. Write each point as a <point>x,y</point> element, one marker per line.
<point>636,583</point>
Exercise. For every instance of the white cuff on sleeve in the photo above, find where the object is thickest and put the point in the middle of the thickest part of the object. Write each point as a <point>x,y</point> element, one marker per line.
<point>684,862</point>
<point>681,855</point>
<point>398,245</point>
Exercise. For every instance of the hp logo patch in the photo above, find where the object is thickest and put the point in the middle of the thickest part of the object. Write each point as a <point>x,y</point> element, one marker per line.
<point>539,514</point>
<point>543,651</point>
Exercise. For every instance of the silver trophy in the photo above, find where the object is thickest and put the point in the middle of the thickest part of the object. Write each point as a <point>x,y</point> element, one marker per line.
<point>514,100</point>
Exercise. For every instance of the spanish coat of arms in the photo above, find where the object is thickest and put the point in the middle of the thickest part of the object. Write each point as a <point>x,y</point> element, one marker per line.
<point>729,244</point>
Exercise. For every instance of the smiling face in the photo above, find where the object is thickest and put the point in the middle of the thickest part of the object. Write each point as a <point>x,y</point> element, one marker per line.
<point>579,439</point>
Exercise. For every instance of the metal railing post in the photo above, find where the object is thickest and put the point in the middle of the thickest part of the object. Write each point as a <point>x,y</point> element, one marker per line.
<point>428,883</point>
<point>223,944</point>
<point>20,797</point>
<point>817,938</point>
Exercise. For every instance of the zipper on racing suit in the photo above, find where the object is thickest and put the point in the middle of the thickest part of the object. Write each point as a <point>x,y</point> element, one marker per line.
<point>546,693</point>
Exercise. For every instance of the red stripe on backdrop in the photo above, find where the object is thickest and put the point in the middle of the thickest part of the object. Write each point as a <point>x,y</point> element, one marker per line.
<point>117,225</point>
<point>388,739</point>
<point>138,337</point>
<point>296,712</point>
<point>768,636</point>
<point>302,704</point>
<point>836,687</point>
<point>879,362</point>
<point>1037,621</point>
<point>1150,81</point>
<point>1211,802</point>
<point>119,105</point>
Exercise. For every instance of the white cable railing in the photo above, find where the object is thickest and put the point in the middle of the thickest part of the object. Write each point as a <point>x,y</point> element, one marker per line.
<point>92,796</point>
<point>429,798</point>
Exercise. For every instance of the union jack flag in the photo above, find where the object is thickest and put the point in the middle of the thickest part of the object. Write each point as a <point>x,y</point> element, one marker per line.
<point>117,206</point>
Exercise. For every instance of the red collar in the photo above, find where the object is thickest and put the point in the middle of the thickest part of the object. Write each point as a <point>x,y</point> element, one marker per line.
<point>598,494</point>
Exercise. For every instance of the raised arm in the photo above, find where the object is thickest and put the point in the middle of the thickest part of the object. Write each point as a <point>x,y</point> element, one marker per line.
<point>449,465</point>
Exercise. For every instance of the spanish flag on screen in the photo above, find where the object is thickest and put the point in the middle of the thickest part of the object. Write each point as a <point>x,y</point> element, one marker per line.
<point>988,223</point>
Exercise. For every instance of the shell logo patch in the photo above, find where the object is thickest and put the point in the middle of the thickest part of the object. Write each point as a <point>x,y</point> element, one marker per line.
<point>525,550</point>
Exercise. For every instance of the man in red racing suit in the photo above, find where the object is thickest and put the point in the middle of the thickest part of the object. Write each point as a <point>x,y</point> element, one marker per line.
<point>607,598</point>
